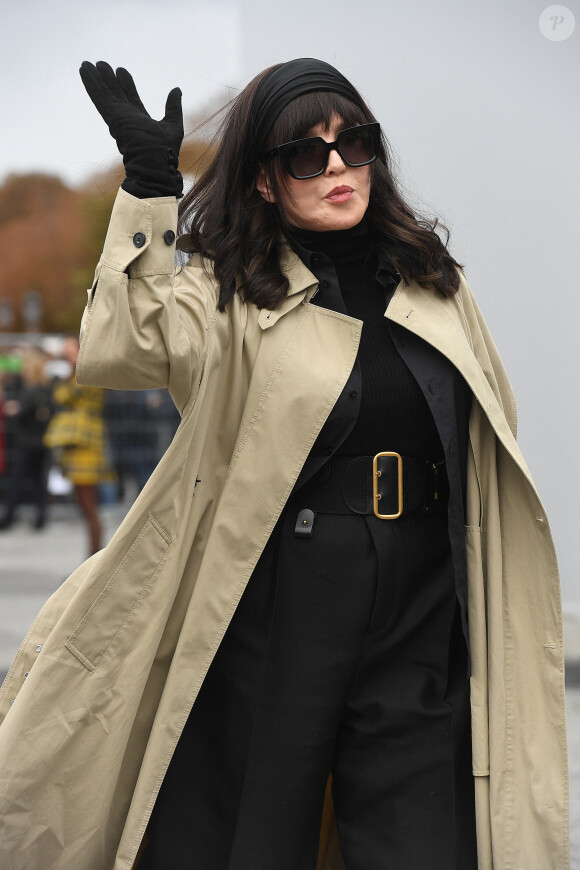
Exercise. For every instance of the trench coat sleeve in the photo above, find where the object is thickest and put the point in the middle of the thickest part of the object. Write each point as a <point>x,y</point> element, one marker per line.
<point>145,323</point>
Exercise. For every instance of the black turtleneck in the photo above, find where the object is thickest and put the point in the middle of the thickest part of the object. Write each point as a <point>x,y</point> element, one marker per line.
<point>393,413</point>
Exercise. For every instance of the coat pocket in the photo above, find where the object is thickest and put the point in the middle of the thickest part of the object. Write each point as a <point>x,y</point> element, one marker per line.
<point>478,645</point>
<point>121,597</point>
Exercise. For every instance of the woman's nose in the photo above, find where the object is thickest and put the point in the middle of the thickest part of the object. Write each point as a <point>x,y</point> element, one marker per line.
<point>335,163</point>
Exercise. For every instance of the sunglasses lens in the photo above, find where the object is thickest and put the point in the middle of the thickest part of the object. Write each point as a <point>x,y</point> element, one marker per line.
<point>306,157</point>
<point>358,145</point>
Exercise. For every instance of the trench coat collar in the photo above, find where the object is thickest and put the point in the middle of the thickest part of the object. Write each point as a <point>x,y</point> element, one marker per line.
<point>303,285</point>
<point>299,275</point>
<point>438,320</point>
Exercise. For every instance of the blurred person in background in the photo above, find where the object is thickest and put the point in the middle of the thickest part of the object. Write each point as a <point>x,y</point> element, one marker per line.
<point>77,435</point>
<point>2,433</point>
<point>166,415</point>
<point>133,422</point>
<point>11,386</point>
<point>28,411</point>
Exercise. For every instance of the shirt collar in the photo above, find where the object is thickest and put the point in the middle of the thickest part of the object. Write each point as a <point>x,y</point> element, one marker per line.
<point>386,274</point>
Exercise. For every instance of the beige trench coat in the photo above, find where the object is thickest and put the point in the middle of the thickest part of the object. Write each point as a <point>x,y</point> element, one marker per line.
<point>104,681</point>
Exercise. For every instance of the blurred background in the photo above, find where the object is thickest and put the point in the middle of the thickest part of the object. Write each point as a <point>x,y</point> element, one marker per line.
<point>480,102</point>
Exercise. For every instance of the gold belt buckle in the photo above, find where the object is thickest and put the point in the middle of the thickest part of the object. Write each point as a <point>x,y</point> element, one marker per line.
<point>376,494</point>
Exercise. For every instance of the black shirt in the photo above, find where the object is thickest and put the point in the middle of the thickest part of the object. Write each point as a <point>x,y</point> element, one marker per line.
<point>393,413</point>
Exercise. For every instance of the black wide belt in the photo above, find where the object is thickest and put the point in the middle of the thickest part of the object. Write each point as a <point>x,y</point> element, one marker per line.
<point>387,486</point>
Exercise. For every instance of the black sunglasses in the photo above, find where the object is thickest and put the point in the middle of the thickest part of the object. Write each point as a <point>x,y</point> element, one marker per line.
<point>307,158</point>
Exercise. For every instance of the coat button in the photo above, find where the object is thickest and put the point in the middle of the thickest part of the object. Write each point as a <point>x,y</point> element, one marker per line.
<point>353,394</point>
<point>168,237</point>
<point>139,240</point>
<point>325,284</point>
<point>38,648</point>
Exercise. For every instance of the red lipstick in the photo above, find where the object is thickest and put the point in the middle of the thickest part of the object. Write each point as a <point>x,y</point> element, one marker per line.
<point>340,194</point>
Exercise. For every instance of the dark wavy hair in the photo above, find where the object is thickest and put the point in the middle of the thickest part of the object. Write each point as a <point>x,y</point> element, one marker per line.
<point>237,233</point>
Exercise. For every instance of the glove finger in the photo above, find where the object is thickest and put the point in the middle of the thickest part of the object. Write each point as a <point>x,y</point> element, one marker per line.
<point>109,78</point>
<point>173,111</point>
<point>125,80</point>
<point>96,88</point>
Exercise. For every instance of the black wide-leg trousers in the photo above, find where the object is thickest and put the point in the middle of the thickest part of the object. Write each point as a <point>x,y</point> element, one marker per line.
<point>345,656</point>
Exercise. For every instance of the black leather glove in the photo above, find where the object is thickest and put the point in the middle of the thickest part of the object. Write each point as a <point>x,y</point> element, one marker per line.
<point>150,148</point>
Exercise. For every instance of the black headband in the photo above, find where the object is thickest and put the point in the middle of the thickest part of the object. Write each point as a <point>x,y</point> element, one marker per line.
<point>288,81</point>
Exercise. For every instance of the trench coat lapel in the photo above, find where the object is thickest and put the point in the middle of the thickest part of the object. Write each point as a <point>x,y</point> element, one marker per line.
<point>442,323</point>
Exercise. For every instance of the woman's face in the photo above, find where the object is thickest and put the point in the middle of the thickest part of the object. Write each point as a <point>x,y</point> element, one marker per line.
<point>335,200</point>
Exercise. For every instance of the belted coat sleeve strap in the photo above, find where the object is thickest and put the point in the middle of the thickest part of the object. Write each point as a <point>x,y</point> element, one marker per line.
<point>145,324</point>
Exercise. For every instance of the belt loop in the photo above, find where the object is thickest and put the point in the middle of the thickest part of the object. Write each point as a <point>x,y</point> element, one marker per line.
<point>356,484</point>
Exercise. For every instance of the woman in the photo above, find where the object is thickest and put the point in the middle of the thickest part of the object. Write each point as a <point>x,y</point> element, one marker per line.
<point>321,631</point>
<point>29,412</point>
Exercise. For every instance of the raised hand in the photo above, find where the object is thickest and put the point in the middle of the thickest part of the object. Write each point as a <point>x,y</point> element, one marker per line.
<point>150,148</point>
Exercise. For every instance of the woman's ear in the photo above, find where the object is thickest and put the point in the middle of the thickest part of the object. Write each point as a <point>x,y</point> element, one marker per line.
<point>263,186</point>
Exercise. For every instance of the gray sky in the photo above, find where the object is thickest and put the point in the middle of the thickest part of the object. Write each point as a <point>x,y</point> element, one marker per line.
<point>48,121</point>
<point>481,108</point>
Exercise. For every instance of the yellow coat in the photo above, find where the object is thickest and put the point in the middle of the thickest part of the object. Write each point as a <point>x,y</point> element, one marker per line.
<point>77,433</point>
<point>117,656</point>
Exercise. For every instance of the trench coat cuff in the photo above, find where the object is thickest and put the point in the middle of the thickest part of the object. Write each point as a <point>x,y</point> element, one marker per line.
<point>141,235</point>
